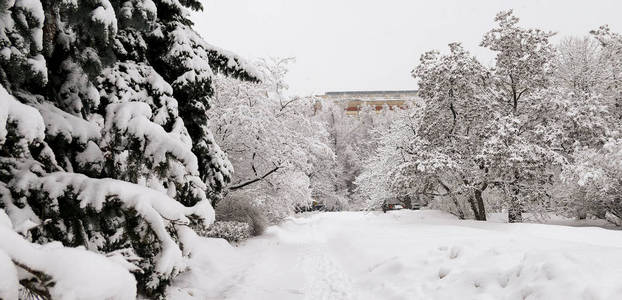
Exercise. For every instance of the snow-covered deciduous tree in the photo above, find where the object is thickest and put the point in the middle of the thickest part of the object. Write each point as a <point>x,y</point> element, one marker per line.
<point>481,131</point>
<point>390,172</point>
<point>580,66</point>
<point>458,105</point>
<point>104,142</point>
<point>272,141</point>
<point>353,140</point>
<point>611,53</point>
<point>596,177</point>
<point>523,58</point>
<point>433,148</point>
<point>588,74</point>
<point>523,164</point>
<point>580,96</point>
<point>521,147</point>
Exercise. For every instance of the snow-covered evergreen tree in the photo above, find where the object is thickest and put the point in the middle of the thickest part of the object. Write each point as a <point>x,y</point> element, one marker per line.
<point>103,129</point>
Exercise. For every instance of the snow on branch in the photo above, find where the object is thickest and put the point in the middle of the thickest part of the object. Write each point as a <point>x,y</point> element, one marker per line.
<point>201,60</point>
<point>58,272</point>
<point>159,210</point>
<point>133,120</point>
<point>26,122</point>
<point>59,123</point>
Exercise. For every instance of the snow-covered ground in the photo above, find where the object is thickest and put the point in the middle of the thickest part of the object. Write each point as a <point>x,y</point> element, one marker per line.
<point>407,255</point>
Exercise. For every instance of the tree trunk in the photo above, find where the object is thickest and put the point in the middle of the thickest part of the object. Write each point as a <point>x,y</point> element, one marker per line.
<point>581,213</point>
<point>49,28</point>
<point>479,202</point>
<point>474,208</point>
<point>460,213</point>
<point>515,214</point>
<point>515,211</point>
<point>407,202</point>
<point>613,218</point>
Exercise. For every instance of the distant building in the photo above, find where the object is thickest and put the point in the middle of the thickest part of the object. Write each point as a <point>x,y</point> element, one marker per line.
<point>354,100</point>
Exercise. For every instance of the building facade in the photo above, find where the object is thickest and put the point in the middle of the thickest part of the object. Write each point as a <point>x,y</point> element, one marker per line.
<point>355,100</point>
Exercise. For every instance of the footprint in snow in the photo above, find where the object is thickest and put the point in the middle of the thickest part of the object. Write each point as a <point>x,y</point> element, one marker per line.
<point>443,272</point>
<point>455,252</point>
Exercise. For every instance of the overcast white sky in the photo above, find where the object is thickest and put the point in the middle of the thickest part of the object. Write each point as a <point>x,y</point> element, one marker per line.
<point>372,45</point>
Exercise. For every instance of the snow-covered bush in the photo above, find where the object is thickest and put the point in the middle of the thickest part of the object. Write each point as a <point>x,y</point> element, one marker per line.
<point>232,231</point>
<point>242,211</point>
<point>104,141</point>
<point>597,176</point>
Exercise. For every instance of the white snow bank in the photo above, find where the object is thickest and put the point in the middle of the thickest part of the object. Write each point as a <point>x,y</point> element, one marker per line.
<point>211,265</point>
<point>415,255</point>
<point>9,283</point>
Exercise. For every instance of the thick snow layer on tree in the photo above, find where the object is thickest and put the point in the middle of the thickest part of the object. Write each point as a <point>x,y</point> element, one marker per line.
<point>34,10</point>
<point>195,54</point>
<point>8,272</point>
<point>33,7</point>
<point>27,119</point>
<point>133,119</point>
<point>22,219</point>
<point>77,89</point>
<point>156,208</point>
<point>235,62</point>
<point>131,82</point>
<point>76,273</point>
<point>37,63</point>
<point>95,149</point>
<point>407,255</point>
<point>9,282</point>
<point>104,14</point>
<point>69,127</point>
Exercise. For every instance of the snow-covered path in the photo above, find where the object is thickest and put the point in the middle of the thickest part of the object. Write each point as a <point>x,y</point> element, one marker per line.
<point>408,255</point>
